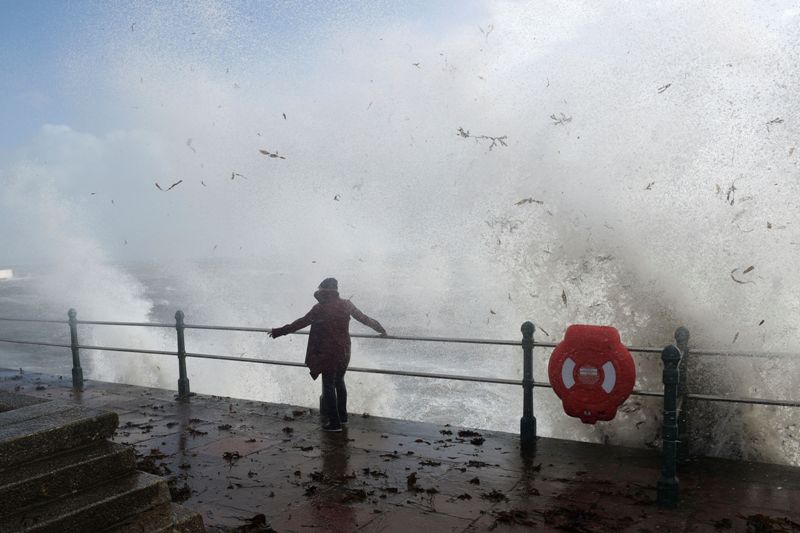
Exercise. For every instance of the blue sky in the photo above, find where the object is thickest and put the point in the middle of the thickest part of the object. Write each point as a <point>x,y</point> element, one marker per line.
<point>32,35</point>
<point>35,37</point>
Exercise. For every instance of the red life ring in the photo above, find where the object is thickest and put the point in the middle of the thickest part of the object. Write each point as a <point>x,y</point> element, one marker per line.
<point>592,372</point>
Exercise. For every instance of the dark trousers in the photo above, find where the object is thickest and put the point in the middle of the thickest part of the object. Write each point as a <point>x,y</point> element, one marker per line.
<point>334,398</point>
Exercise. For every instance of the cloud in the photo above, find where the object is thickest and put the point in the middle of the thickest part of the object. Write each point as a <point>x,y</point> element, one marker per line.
<point>375,168</point>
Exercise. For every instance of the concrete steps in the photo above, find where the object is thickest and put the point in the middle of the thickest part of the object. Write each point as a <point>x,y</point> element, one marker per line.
<point>59,474</point>
<point>63,474</point>
<point>166,518</point>
<point>48,428</point>
<point>91,510</point>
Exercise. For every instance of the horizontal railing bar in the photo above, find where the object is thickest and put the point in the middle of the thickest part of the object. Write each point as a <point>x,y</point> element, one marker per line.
<point>34,320</point>
<point>143,324</point>
<point>227,328</point>
<point>693,352</point>
<point>456,377</point>
<point>752,401</point>
<point>36,343</point>
<point>129,350</point>
<point>244,359</point>
<point>367,336</point>
<point>432,339</point>
<point>652,394</point>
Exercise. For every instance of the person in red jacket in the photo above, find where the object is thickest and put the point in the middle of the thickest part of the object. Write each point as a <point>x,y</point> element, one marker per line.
<point>328,350</point>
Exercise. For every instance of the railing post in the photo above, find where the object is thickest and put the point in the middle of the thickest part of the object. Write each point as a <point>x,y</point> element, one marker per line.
<point>183,379</point>
<point>527,424</point>
<point>684,446</point>
<point>668,487</point>
<point>77,371</point>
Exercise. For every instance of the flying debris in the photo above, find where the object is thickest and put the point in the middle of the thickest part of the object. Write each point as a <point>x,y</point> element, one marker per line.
<point>236,174</point>
<point>664,88</point>
<point>272,155</point>
<point>189,145</point>
<point>564,296</point>
<point>760,323</point>
<point>495,140</point>
<point>561,119</point>
<point>776,120</point>
<point>738,280</point>
<point>748,269</point>
<point>170,187</point>
<point>529,201</point>
<point>730,195</point>
<point>735,337</point>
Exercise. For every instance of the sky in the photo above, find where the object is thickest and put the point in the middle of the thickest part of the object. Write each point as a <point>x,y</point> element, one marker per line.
<point>550,147</point>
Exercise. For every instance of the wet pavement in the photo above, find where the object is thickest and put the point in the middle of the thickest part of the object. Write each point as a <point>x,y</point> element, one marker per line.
<point>242,464</point>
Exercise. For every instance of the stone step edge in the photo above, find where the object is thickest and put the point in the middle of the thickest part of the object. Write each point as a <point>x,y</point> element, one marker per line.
<point>166,518</point>
<point>36,482</point>
<point>53,434</point>
<point>94,509</point>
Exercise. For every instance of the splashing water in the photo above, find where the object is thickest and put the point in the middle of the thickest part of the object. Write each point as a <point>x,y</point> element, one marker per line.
<point>647,160</point>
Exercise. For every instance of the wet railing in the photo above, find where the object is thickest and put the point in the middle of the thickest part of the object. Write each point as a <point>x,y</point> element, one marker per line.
<point>675,440</point>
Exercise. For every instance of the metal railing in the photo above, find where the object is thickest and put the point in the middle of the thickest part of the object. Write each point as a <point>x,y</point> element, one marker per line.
<point>180,327</point>
<point>674,357</point>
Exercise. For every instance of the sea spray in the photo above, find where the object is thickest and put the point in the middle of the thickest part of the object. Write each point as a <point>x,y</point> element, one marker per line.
<point>655,146</point>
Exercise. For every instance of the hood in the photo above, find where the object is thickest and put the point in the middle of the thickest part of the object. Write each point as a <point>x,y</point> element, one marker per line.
<point>326,295</point>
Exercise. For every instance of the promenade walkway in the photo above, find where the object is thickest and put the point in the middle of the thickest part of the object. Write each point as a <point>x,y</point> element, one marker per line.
<point>243,463</point>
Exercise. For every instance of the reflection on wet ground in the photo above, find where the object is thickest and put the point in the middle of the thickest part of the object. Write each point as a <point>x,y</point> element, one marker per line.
<point>243,464</point>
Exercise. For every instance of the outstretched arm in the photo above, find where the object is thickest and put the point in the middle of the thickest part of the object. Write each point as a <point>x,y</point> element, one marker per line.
<point>356,313</point>
<point>298,324</point>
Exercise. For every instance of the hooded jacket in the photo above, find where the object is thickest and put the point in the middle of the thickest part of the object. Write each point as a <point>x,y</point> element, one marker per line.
<point>328,347</point>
